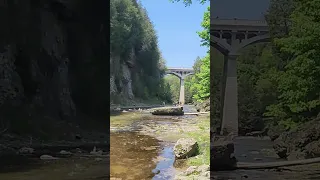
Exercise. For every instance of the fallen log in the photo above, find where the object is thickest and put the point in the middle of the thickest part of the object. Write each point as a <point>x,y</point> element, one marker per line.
<point>168,111</point>
<point>270,165</point>
<point>196,113</point>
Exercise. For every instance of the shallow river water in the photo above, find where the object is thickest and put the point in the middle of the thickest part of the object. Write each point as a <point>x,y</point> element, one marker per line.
<point>136,156</point>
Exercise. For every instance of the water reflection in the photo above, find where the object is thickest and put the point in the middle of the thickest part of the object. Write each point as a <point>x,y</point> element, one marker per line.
<point>132,154</point>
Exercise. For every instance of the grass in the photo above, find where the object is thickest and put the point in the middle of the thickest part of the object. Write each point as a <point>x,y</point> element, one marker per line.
<point>125,119</point>
<point>202,136</point>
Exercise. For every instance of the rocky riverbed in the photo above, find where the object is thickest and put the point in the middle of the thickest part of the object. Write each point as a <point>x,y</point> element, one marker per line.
<point>145,145</point>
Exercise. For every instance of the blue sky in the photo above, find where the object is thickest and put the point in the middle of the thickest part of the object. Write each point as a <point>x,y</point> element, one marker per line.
<point>176,27</point>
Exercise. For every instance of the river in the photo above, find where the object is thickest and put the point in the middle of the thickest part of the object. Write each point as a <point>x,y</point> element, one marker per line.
<point>143,151</point>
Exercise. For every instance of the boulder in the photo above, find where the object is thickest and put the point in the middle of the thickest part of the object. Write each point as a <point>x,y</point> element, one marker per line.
<point>299,143</point>
<point>171,111</point>
<point>47,157</point>
<point>185,147</point>
<point>203,106</point>
<point>222,155</point>
<point>275,131</point>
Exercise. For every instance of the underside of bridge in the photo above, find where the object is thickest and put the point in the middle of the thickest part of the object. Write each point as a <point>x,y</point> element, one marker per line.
<point>181,73</point>
<point>229,36</point>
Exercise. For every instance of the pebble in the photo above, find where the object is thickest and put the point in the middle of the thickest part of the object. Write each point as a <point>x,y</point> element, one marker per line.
<point>155,171</point>
<point>64,152</point>
<point>26,150</point>
<point>47,157</point>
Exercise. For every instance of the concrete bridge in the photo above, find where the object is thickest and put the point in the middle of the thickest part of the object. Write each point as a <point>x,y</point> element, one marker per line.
<point>181,73</point>
<point>229,36</point>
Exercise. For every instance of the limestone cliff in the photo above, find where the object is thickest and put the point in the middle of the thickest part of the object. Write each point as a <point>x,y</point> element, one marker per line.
<point>52,58</point>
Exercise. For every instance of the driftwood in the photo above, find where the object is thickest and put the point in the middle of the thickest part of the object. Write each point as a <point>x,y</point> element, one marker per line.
<point>196,113</point>
<point>270,165</point>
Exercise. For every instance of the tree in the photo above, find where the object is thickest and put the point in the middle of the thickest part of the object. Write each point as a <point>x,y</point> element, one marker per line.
<point>299,83</point>
<point>135,56</point>
<point>189,2</point>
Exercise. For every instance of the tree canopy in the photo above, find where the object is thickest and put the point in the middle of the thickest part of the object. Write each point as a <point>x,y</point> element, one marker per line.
<point>135,56</point>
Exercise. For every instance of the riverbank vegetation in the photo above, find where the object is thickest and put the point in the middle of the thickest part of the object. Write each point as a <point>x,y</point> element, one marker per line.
<point>202,136</point>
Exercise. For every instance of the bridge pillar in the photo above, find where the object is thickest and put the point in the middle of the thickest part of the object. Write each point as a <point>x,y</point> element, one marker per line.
<point>181,97</point>
<point>230,105</point>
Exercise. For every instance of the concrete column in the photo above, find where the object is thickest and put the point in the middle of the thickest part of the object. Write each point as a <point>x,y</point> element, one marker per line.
<point>230,106</point>
<point>181,97</point>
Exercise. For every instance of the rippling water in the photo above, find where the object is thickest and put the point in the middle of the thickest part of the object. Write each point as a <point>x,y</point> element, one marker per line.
<point>137,156</point>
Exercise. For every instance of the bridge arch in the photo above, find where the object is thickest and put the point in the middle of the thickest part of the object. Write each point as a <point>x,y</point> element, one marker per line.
<point>243,33</point>
<point>220,44</point>
<point>174,73</point>
<point>253,40</point>
<point>181,73</point>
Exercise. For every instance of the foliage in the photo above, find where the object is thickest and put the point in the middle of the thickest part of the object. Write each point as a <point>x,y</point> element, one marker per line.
<point>200,82</point>
<point>282,77</point>
<point>134,44</point>
<point>299,83</point>
<point>188,2</point>
<point>205,34</point>
<point>202,136</point>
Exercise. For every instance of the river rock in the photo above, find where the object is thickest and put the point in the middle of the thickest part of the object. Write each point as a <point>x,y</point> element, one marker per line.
<point>185,147</point>
<point>275,131</point>
<point>47,157</point>
<point>170,111</point>
<point>26,150</point>
<point>300,143</point>
<point>222,155</point>
<point>64,152</point>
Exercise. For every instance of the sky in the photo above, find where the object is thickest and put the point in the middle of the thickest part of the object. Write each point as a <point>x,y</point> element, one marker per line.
<point>241,9</point>
<point>176,27</point>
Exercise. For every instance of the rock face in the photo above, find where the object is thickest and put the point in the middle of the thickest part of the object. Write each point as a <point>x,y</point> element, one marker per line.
<point>301,143</point>
<point>171,111</point>
<point>222,155</point>
<point>185,147</point>
<point>45,51</point>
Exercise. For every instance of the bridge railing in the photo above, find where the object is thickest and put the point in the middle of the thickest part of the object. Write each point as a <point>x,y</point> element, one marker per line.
<point>241,22</point>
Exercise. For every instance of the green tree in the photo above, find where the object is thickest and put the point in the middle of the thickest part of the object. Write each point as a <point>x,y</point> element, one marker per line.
<point>299,82</point>
<point>189,2</point>
<point>135,53</point>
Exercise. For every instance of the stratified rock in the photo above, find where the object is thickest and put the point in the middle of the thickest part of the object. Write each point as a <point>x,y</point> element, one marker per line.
<point>313,149</point>
<point>185,147</point>
<point>171,111</point>
<point>300,143</point>
<point>222,155</point>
